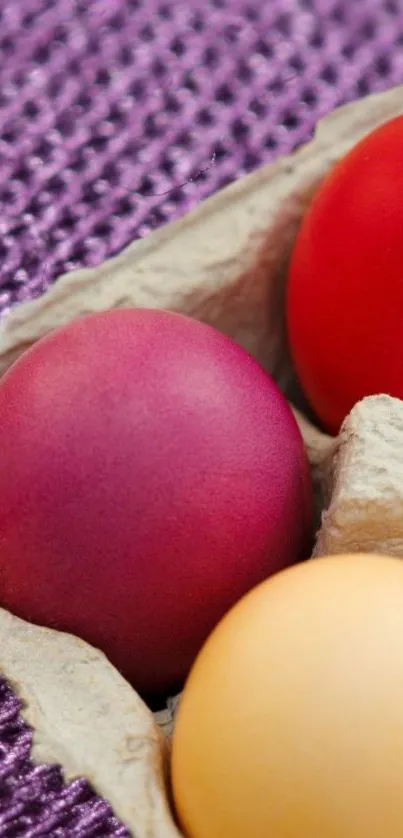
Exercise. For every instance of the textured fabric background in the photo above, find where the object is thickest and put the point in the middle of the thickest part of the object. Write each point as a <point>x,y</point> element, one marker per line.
<point>33,800</point>
<point>117,116</point>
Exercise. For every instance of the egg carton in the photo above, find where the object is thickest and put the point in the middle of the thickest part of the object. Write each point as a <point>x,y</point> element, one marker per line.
<point>225,264</point>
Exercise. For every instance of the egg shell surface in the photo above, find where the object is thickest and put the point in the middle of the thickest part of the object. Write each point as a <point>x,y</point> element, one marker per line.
<point>345,289</point>
<point>151,474</point>
<point>291,721</point>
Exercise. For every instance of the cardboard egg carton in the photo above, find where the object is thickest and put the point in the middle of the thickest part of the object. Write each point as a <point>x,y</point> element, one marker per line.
<point>225,264</point>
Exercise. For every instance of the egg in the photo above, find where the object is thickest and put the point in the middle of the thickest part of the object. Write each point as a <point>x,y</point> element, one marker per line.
<point>291,721</point>
<point>151,474</point>
<point>345,290</point>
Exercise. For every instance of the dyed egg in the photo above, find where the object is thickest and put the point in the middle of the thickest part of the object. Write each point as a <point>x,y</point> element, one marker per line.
<point>151,474</point>
<point>345,291</point>
<point>291,722</point>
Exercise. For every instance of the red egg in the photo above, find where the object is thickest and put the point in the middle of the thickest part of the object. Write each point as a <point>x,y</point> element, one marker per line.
<point>345,293</point>
<point>151,474</point>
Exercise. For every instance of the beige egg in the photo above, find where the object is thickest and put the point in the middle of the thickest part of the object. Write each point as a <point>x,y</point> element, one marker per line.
<point>291,722</point>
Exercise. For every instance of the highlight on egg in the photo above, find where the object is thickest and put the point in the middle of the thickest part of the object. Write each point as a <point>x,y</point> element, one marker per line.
<point>291,721</point>
<point>152,473</point>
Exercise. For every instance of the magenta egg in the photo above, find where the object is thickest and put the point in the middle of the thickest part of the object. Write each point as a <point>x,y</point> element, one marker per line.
<point>151,474</point>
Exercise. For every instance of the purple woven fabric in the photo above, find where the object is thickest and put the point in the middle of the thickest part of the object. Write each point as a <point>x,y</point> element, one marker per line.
<point>33,799</point>
<point>116,117</point>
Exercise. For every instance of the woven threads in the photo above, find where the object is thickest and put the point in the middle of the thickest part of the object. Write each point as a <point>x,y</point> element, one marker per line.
<point>118,117</point>
<point>33,799</point>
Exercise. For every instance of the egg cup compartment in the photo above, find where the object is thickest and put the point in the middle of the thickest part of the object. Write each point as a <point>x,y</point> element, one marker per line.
<point>225,264</point>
